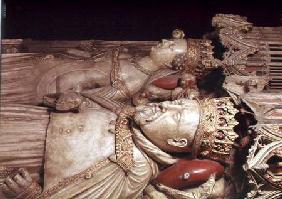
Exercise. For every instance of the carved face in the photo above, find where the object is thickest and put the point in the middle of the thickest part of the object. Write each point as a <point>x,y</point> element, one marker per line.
<point>170,125</point>
<point>163,53</point>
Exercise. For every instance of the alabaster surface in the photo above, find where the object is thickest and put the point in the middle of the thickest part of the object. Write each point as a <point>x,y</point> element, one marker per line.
<point>157,120</point>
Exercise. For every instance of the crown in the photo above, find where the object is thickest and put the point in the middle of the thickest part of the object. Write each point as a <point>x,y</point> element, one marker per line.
<point>198,58</point>
<point>215,136</point>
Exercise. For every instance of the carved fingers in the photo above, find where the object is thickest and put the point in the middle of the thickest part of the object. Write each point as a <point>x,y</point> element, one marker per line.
<point>187,80</point>
<point>185,93</point>
<point>175,193</point>
<point>140,99</point>
<point>24,173</point>
<point>177,93</point>
<point>152,193</point>
<point>13,186</point>
<point>69,101</point>
<point>202,192</point>
<point>7,192</point>
<point>49,101</point>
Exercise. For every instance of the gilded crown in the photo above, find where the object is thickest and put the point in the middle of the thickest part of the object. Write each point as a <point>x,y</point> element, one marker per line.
<point>197,59</point>
<point>216,136</point>
<point>199,56</point>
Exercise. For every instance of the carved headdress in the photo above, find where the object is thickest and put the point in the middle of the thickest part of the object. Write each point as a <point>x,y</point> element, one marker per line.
<point>216,136</point>
<point>199,55</point>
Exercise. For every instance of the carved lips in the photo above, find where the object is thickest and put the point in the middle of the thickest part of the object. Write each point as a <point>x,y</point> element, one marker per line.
<point>187,173</point>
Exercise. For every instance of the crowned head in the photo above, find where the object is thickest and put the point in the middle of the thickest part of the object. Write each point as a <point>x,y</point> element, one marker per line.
<point>204,127</point>
<point>170,125</point>
<point>182,54</point>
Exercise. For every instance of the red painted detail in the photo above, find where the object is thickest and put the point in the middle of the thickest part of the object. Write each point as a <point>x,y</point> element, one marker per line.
<point>169,82</point>
<point>187,173</point>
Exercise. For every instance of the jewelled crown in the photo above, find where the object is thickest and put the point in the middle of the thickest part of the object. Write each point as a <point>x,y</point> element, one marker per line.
<point>199,55</point>
<point>216,136</point>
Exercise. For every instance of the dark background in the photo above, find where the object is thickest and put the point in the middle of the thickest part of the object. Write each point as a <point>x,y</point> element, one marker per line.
<point>125,20</point>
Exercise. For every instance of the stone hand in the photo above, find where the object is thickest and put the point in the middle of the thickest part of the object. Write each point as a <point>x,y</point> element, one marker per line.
<point>139,99</point>
<point>179,92</point>
<point>152,193</point>
<point>187,87</point>
<point>69,101</point>
<point>187,80</point>
<point>50,100</point>
<point>13,187</point>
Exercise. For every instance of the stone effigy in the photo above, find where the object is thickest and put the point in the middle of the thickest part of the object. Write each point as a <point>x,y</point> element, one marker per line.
<point>103,149</point>
<point>115,125</point>
<point>112,73</point>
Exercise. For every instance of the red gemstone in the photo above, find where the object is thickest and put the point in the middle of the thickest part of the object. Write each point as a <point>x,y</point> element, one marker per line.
<point>169,82</point>
<point>187,173</point>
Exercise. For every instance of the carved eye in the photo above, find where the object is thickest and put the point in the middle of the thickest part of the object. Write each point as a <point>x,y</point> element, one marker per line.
<point>162,108</point>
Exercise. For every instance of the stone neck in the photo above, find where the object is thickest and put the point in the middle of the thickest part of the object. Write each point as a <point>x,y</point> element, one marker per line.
<point>147,64</point>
